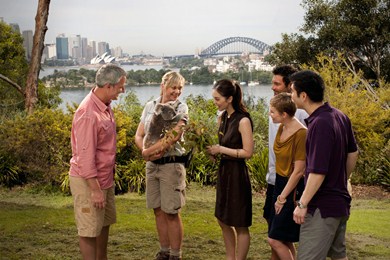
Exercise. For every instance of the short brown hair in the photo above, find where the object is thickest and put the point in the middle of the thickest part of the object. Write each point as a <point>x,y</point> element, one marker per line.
<point>283,103</point>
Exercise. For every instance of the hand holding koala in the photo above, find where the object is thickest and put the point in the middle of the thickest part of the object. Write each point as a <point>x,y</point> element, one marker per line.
<point>164,119</point>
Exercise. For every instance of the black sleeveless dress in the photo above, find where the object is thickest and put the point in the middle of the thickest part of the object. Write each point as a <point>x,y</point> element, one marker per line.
<point>233,204</point>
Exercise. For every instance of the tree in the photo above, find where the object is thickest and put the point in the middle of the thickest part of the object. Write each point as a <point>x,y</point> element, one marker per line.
<point>13,66</point>
<point>358,28</point>
<point>36,55</point>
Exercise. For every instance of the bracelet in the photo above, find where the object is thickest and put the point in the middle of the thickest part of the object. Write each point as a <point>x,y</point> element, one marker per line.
<point>279,201</point>
<point>237,153</point>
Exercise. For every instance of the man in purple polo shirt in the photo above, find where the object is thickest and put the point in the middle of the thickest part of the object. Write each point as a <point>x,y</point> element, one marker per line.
<point>331,155</point>
<point>91,173</point>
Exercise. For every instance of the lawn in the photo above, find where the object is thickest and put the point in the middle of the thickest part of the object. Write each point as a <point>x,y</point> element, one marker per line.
<point>38,226</point>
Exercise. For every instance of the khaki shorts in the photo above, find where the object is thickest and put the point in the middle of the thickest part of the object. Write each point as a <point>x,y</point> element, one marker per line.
<point>321,237</point>
<point>165,186</point>
<point>89,220</point>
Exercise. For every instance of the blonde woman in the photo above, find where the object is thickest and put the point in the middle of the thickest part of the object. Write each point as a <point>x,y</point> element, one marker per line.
<point>165,169</point>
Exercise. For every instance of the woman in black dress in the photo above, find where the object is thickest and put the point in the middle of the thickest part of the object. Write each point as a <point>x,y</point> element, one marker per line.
<point>233,207</point>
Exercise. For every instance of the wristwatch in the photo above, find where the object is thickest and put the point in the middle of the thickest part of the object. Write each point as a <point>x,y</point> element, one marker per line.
<point>301,205</point>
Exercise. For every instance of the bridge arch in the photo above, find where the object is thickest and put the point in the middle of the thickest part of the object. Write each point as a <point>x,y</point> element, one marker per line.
<point>214,48</point>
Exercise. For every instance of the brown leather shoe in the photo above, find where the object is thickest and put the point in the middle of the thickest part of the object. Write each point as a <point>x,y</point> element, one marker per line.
<point>172,257</point>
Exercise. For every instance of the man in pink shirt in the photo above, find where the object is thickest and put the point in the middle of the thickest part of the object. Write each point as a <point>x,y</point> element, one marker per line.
<point>92,165</point>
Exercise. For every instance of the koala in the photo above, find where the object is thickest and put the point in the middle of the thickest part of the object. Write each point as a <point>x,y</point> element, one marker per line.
<point>163,120</point>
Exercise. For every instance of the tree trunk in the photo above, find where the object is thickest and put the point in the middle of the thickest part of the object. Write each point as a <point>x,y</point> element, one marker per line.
<point>36,55</point>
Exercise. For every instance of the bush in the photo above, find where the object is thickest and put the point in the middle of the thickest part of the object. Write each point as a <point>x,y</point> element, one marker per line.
<point>39,149</point>
<point>39,145</point>
<point>9,172</point>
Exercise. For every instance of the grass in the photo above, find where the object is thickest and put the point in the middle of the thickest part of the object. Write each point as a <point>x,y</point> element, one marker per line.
<point>38,226</point>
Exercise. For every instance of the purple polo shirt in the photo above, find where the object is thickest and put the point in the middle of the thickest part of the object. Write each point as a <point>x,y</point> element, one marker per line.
<point>329,140</point>
<point>93,141</point>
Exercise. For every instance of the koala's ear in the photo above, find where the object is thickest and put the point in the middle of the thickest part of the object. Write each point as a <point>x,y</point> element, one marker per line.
<point>158,109</point>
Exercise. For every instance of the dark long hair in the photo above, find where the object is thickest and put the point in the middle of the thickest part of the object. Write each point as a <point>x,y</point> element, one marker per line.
<point>230,88</point>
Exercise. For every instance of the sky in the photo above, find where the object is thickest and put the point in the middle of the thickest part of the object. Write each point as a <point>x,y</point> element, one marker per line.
<point>161,27</point>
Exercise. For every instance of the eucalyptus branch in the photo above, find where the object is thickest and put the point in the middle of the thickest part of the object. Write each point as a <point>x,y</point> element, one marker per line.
<point>370,90</point>
<point>12,83</point>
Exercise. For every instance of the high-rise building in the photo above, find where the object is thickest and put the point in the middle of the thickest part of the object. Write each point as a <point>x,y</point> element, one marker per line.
<point>74,46</point>
<point>51,50</point>
<point>102,48</point>
<point>15,27</point>
<point>118,52</point>
<point>84,46</point>
<point>89,54</point>
<point>93,45</point>
<point>62,47</point>
<point>28,43</point>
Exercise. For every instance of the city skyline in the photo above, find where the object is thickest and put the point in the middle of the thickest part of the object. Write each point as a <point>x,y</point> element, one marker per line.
<point>170,27</point>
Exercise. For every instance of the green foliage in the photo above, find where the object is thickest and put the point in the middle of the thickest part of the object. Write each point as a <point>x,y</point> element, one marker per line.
<point>71,78</point>
<point>201,131</point>
<point>9,172</point>
<point>384,173</point>
<point>65,188</point>
<point>358,29</point>
<point>199,76</point>
<point>186,63</point>
<point>59,63</point>
<point>204,76</point>
<point>258,164</point>
<point>368,109</point>
<point>38,143</point>
<point>130,169</point>
<point>13,65</point>
<point>130,177</point>
<point>258,167</point>
<point>142,77</point>
<point>49,97</point>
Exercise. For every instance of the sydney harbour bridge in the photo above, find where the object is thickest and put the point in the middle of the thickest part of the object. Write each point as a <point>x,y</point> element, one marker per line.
<point>233,46</point>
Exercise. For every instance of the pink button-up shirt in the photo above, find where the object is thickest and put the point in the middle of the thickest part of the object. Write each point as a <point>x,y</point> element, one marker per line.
<point>93,141</point>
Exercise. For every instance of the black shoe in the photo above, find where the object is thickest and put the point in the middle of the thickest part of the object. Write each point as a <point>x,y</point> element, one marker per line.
<point>162,256</point>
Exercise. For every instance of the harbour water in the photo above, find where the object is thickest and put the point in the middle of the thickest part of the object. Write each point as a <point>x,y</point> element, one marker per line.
<point>146,93</point>
<point>149,92</point>
<point>50,70</point>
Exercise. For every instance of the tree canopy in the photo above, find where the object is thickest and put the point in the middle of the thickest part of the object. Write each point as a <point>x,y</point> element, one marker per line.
<point>14,66</point>
<point>360,29</point>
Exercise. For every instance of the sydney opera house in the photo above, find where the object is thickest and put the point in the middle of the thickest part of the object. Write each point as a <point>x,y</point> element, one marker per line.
<point>105,58</point>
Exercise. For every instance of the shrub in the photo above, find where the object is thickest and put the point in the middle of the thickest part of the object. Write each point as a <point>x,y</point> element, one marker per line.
<point>258,167</point>
<point>39,144</point>
<point>9,172</point>
<point>130,177</point>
